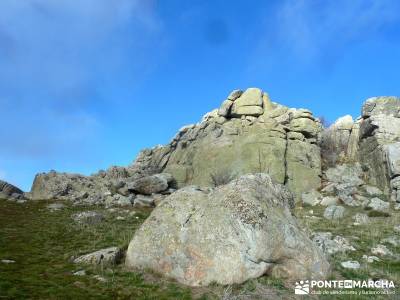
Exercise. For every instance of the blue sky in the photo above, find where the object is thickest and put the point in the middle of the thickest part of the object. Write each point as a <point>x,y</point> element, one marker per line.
<point>85,84</point>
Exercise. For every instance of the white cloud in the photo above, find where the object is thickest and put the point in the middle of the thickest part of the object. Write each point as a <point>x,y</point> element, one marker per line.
<point>56,61</point>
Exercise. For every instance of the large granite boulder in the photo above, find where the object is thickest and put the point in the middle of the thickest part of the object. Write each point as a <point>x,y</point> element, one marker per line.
<point>8,190</point>
<point>274,139</point>
<point>226,235</point>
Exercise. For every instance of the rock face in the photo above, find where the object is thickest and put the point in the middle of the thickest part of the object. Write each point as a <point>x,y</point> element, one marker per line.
<point>340,141</point>
<point>226,235</point>
<point>379,143</point>
<point>247,134</point>
<point>7,190</point>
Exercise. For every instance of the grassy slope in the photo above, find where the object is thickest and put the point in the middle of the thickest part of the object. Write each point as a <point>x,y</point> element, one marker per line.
<point>43,242</point>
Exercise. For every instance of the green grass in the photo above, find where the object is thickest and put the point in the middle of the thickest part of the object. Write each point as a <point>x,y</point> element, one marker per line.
<point>43,244</point>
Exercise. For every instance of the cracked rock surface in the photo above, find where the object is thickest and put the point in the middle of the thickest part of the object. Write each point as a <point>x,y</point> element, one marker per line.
<point>226,235</point>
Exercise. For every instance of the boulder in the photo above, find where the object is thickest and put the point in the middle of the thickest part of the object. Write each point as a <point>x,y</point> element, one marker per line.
<point>349,174</point>
<point>225,108</point>
<point>329,200</point>
<point>331,245</point>
<point>143,201</point>
<point>378,205</point>
<point>334,212</point>
<point>372,191</point>
<point>64,186</point>
<point>350,264</point>
<point>226,235</point>
<point>312,197</point>
<point>238,111</point>
<point>88,218</point>
<point>104,257</point>
<point>370,259</point>
<point>151,184</point>
<point>360,219</point>
<point>55,206</point>
<point>381,250</point>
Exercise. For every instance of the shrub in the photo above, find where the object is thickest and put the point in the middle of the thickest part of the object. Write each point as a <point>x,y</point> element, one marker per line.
<point>375,213</point>
<point>221,177</point>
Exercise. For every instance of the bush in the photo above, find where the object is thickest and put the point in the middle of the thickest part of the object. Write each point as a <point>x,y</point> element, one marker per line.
<point>221,177</point>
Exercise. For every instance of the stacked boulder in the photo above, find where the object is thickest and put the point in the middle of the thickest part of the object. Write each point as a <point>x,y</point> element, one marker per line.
<point>116,186</point>
<point>249,133</point>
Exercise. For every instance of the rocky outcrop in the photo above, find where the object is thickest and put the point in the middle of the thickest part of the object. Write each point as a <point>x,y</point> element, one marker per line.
<point>249,133</point>
<point>379,143</point>
<point>9,191</point>
<point>226,235</point>
<point>116,186</point>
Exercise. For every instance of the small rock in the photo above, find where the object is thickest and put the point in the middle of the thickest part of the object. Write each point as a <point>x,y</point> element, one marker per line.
<point>334,212</point>
<point>55,206</point>
<point>88,217</point>
<point>330,188</point>
<point>330,245</point>
<point>396,206</point>
<point>311,198</point>
<point>119,218</point>
<point>396,228</point>
<point>100,278</point>
<point>360,219</point>
<point>378,205</point>
<point>370,259</point>
<point>392,240</point>
<point>372,191</point>
<point>143,201</point>
<point>351,264</point>
<point>108,256</point>
<point>381,250</point>
<point>8,261</point>
<point>329,200</point>
<point>80,273</point>
<point>361,199</point>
